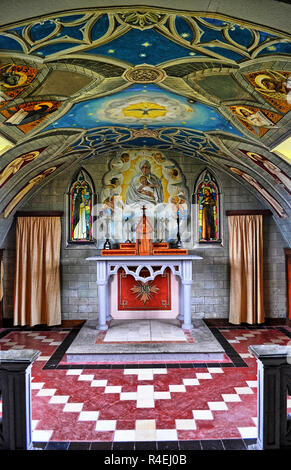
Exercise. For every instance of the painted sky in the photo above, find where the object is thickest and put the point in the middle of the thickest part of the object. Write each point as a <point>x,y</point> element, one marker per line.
<point>120,108</point>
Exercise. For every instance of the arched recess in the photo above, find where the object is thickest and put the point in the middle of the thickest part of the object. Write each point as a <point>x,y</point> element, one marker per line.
<point>80,206</point>
<point>207,200</point>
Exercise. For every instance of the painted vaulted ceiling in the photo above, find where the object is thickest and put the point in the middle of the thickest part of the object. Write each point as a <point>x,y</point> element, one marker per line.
<point>79,84</point>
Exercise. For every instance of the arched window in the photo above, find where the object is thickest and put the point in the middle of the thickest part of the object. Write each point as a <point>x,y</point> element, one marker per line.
<point>207,203</point>
<point>81,201</point>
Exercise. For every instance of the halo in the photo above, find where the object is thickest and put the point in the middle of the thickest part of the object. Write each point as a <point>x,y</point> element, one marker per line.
<point>259,78</point>
<point>23,78</point>
<point>38,105</point>
<point>236,170</point>
<point>238,108</point>
<point>254,156</point>
<point>34,153</point>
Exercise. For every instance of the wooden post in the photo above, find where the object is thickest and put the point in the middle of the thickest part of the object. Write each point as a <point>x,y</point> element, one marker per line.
<point>288,282</point>
<point>15,378</point>
<point>274,384</point>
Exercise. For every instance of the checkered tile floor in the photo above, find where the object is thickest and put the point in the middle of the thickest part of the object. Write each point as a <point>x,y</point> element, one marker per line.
<point>143,402</point>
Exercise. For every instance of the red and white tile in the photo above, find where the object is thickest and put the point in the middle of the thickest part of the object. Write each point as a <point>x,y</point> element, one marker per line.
<point>152,404</point>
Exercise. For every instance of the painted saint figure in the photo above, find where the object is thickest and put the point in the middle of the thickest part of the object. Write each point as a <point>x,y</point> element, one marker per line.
<point>16,164</point>
<point>22,116</point>
<point>145,187</point>
<point>208,204</point>
<point>19,196</point>
<point>80,209</point>
<point>272,84</point>
<point>272,201</point>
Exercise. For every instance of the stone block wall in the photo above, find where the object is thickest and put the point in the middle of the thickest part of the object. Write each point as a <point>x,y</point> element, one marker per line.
<point>210,290</point>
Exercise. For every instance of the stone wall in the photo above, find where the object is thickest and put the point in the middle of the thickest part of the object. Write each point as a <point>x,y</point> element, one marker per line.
<point>210,297</point>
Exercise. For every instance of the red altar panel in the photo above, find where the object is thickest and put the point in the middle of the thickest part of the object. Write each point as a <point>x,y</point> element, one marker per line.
<point>136,295</point>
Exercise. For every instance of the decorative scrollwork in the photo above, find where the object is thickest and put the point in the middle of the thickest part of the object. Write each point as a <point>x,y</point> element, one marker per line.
<point>187,141</point>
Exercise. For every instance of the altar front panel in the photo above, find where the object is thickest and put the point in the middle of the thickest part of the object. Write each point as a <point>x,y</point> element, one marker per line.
<point>131,299</point>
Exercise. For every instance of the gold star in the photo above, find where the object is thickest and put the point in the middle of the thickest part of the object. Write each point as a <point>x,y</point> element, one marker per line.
<point>146,44</point>
<point>111,51</point>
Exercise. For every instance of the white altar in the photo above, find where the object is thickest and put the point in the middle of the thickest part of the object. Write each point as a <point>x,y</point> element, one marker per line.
<point>181,266</point>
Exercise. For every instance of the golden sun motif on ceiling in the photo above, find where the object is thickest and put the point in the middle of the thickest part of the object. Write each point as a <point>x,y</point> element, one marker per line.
<point>145,110</point>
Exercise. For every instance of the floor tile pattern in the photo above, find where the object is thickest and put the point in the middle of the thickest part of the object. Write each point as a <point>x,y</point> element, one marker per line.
<point>144,404</point>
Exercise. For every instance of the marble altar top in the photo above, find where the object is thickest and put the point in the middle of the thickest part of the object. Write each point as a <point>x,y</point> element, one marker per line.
<point>145,258</point>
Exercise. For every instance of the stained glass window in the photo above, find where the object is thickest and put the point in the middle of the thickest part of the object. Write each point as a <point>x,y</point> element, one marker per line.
<point>81,204</point>
<point>207,194</point>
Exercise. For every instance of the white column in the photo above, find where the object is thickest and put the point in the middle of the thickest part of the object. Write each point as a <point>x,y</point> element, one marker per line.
<point>186,280</point>
<point>102,287</point>
<point>181,294</point>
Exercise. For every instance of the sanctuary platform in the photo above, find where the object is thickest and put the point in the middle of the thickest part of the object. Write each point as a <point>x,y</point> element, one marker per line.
<point>142,340</point>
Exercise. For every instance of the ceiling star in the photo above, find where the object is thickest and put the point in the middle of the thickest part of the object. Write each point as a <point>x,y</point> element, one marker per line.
<point>142,55</point>
<point>185,35</point>
<point>146,44</point>
<point>111,51</point>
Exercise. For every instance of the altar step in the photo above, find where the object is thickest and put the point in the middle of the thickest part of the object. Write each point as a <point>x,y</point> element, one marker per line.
<point>145,340</point>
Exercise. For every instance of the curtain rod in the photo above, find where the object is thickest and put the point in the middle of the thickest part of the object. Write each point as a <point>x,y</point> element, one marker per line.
<point>39,214</point>
<point>249,212</point>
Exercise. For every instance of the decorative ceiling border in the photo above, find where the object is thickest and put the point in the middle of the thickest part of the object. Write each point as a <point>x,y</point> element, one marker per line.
<point>119,20</point>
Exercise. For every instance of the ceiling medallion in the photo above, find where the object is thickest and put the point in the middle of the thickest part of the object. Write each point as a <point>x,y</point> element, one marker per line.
<point>144,74</point>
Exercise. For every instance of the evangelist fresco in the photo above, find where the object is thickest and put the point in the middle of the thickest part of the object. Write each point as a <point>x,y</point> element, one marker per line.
<point>26,189</point>
<point>257,120</point>
<point>15,165</point>
<point>13,80</point>
<point>273,170</point>
<point>254,183</point>
<point>27,116</point>
<point>274,86</point>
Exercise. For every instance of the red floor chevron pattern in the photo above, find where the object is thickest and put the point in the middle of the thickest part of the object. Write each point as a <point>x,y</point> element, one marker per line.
<point>143,404</point>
